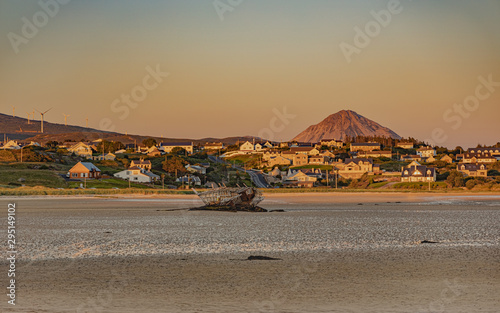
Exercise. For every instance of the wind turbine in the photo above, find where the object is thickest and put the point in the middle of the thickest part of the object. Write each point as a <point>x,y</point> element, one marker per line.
<point>87,122</point>
<point>28,117</point>
<point>13,111</point>
<point>42,114</point>
<point>65,119</point>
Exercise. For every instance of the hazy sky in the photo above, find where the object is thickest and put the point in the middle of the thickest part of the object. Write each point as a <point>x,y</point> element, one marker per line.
<point>231,67</point>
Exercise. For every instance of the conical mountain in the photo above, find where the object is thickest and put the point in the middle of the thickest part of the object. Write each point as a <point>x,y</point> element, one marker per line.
<point>344,123</point>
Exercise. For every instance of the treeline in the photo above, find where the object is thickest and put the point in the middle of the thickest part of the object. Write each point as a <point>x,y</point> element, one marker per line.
<point>384,141</point>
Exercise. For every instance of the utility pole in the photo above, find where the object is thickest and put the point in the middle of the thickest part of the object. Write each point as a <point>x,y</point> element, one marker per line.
<point>336,179</point>
<point>327,184</point>
<point>13,111</point>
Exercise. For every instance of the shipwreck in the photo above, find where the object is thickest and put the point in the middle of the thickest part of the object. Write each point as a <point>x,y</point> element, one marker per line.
<point>231,199</point>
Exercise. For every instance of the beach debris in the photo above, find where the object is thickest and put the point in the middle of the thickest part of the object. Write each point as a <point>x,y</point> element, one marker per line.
<point>231,199</point>
<point>428,241</point>
<point>261,257</point>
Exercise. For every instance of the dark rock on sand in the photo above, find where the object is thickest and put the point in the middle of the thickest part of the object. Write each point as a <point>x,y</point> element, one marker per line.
<point>260,257</point>
<point>428,241</point>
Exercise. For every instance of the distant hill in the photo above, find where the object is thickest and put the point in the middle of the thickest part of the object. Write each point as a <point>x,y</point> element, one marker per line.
<point>19,129</point>
<point>19,125</point>
<point>342,124</point>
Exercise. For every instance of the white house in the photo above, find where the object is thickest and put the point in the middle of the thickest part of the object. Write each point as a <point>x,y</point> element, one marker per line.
<point>11,144</point>
<point>137,174</point>
<point>190,180</point>
<point>300,176</point>
<point>169,146</point>
<point>247,146</point>
<point>109,157</point>
<point>81,149</point>
<point>196,169</point>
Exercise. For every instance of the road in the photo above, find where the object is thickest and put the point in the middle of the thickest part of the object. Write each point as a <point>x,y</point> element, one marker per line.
<point>256,177</point>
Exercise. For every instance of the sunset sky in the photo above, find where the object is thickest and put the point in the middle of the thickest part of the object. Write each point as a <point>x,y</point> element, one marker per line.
<point>230,70</point>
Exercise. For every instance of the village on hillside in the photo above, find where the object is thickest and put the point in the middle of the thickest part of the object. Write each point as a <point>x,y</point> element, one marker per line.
<point>354,163</point>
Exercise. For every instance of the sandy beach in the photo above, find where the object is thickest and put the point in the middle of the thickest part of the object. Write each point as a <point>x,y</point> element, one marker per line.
<point>336,253</point>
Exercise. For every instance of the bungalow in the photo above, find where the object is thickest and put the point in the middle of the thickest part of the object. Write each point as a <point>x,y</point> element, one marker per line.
<point>278,160</point>
<point>108,157</point>
<point>300,176</point>
<point>411,157</point>
<point>213,146</point>
<point>189,180</point>
<point>167,147</point>
<point>81,149</point>
<point>418,173</point>
<point>429,159</point>
<point>473,169</point>
<point>305,150</point>
<point>367,146</point>
<point>312,172</point>
<point>196,169</point>
<point>153,152</point>
<point>448,159</point>
<point>426,151</point>
<point>269,154</point>
<point>405,145</point>
<point>327,154</point>
<point>11,144</point>
<point>84,170</point>
<point>375,154</point>
<point>141,164</point>
<point>355,168</point>
<point>268,145</point>
<point>137,174</point>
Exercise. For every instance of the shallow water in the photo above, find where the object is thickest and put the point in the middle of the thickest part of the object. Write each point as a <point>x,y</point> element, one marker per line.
<point>81,228</point>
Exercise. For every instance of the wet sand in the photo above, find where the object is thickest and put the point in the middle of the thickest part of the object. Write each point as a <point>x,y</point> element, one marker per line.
<point>343,254</point>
